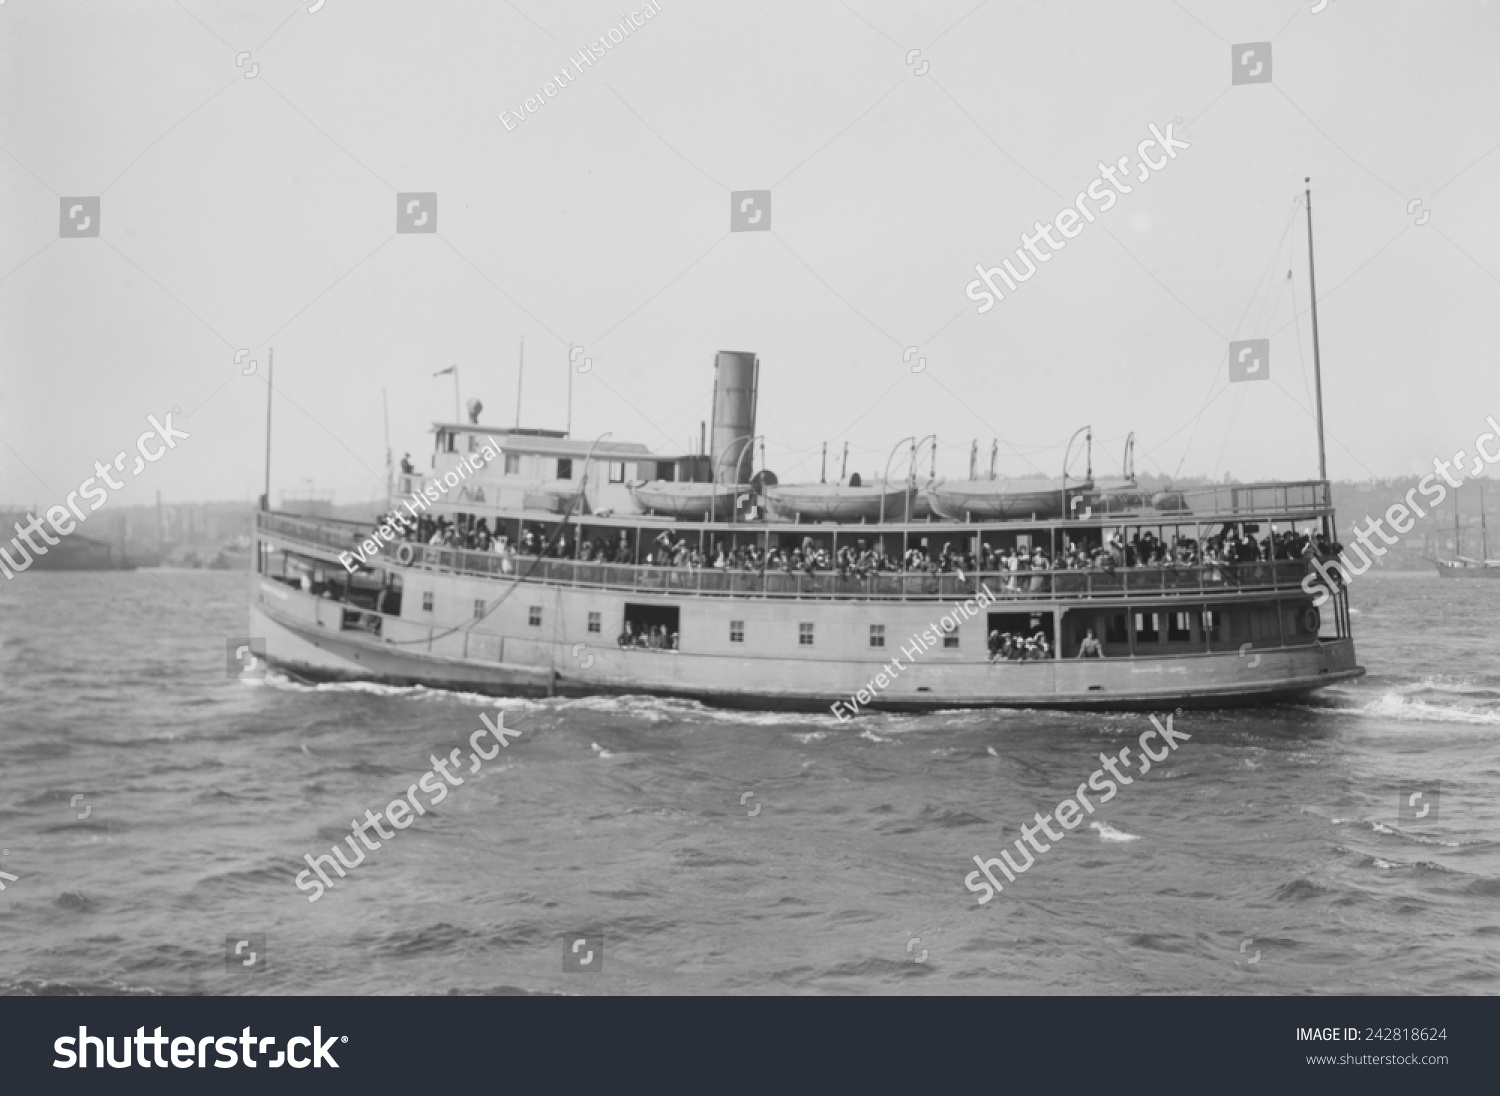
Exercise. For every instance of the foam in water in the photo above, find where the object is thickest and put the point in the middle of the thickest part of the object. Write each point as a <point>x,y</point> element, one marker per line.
<point>1109,833</point>
<point>1396,705</point>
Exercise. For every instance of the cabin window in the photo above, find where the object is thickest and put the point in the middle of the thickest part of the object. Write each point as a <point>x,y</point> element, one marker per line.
<point>479,608</point>
<point>877,635</point>
<point>950,635</point>
<point>736,631</point>
<point>564,468</point>
<point>804,635</point>
<point>596,622</point>
<point>616,471</point>
<point>1115,630</point>
<point>534,616</point>
<point>426,601</point>
<point>1211,625</point>
<point>1179,627</point>
<point>512,464</point>
<point>1148,627</point>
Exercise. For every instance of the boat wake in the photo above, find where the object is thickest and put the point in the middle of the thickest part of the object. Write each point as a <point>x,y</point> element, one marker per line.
<point>1428,700</point>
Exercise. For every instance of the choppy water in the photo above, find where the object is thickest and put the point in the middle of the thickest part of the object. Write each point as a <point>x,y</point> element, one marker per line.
<point>1272,831</point>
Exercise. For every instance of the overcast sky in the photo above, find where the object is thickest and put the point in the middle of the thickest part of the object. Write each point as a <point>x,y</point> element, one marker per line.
<point>241,211</point>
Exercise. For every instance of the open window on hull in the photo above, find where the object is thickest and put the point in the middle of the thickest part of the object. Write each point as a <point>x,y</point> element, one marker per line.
<point>1022,627</point>
<point>651,626</point>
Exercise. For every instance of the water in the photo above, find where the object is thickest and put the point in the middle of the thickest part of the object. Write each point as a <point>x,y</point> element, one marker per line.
<point>1271,831</point>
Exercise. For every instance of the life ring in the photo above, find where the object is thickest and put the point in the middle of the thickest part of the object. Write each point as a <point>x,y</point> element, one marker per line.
<point>404,554</point>
<point>1312,620</point>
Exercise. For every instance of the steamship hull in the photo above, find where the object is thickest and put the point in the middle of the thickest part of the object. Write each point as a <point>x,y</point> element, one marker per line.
<point>312,639</point>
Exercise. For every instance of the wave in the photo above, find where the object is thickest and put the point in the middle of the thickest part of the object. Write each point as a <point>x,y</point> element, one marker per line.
<point>1109,833</point>
<point>1418,838</point>
<point>1410,709</point>
<point>641,706</point>
<point>1429,699</point>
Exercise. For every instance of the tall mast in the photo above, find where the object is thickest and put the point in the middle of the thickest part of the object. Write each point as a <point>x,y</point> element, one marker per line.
<point>520,372</point>
<point>1484,529</point>
<point>270,374</point>
<point>385,408</point>
<point>1458,544</point>
<point>1312,282</point>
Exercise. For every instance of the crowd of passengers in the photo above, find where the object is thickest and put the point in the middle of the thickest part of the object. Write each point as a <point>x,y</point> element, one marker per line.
<point>668,549</point>
<point>655,638</point>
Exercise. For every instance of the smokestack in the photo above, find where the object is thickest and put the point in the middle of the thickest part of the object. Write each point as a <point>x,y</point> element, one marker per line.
<point>736,387</point>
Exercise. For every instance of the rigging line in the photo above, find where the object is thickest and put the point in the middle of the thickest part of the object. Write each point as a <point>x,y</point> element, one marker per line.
<point>1330,433</point>
<point>1228,433</point>
<point>996,433</point>
<point>1188,448</point>
<point>1270,263</point>
<point>1213,380</point>
<point>1269,306</point>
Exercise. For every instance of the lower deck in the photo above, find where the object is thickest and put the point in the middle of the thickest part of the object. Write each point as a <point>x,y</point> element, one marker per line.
<point>446,631</point>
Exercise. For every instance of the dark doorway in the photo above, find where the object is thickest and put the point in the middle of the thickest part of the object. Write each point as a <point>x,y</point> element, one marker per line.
<point>1022,625</point>
<point>652,625</point>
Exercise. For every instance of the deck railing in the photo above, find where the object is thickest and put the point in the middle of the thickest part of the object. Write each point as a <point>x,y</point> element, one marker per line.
<point>1133,582</point>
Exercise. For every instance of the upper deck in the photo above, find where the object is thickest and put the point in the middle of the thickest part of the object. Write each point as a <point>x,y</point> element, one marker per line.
<point>328,537</point>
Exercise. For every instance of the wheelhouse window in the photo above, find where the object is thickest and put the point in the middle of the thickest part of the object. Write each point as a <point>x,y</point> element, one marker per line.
<point>877,635</point>
<point>804,635</point>
<point>513,464</point>
<point>564,468</point>
<point>616,471</point>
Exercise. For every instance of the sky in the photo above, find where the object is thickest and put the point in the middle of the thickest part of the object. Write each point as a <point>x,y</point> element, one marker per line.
<point>251,203</point>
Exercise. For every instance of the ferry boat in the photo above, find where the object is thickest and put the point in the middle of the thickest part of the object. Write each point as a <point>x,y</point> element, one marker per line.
<point>342,601</point>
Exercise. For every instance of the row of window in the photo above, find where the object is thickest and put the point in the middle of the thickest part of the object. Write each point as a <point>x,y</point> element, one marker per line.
<point>736,627</point>
<point>565,468</point>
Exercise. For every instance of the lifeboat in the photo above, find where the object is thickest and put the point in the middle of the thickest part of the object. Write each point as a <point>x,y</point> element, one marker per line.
<point>688,501</point>
<point>1114,496</point>
<point>1012,497</point>
<point>837,502</point>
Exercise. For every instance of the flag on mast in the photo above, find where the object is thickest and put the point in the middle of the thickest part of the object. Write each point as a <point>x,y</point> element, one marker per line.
<point>445,372</point>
